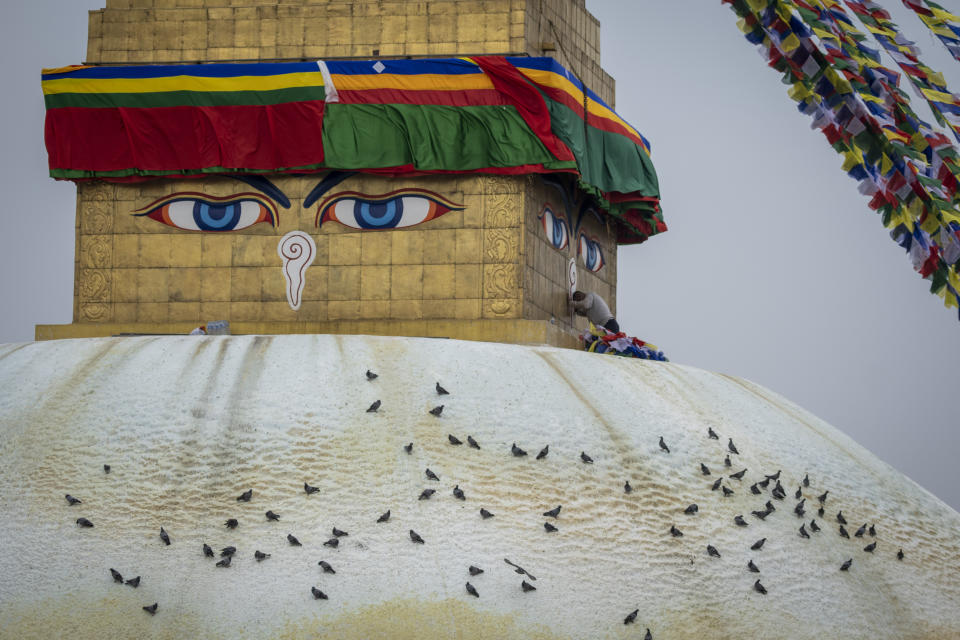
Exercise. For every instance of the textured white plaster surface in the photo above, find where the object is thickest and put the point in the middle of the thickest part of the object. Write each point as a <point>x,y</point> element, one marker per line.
<point>189,423</point>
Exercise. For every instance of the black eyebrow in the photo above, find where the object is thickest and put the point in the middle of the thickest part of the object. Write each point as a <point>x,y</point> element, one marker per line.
<point>331,180</point>
<point>262,184</point>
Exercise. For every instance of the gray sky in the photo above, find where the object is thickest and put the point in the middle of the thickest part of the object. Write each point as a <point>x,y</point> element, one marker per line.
<point>774,268</point>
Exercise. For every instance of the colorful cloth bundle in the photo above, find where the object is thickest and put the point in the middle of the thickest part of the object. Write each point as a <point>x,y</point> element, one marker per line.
<point>599,340</point>
<point>941,22</point>
<point>486,114</point>
<point>910,171</point>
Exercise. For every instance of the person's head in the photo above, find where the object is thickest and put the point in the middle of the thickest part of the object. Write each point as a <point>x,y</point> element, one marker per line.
<point>579,295</point>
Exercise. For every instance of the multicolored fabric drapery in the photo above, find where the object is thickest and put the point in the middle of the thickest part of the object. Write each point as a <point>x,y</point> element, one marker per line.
<point>910,171</point>
<point>401,117</point>
<point>941,22</point>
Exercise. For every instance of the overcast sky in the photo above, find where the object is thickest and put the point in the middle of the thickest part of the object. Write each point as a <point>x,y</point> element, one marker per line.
<point>774,268</point>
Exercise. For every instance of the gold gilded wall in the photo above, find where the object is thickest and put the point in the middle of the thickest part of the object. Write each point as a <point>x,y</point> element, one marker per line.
<point>141,31</point>
<point>463,264</point>
<point>545,283</point>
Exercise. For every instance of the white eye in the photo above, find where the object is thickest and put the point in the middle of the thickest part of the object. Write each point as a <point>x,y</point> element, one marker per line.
<point>590,253</point>
<point>199,215</point>
<point>555,227</point>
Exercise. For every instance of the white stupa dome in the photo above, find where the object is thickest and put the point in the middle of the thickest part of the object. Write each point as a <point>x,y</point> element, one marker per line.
<point>187,424</point>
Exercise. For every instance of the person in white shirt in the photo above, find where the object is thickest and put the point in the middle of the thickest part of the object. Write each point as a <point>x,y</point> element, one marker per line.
<point>595,309</point>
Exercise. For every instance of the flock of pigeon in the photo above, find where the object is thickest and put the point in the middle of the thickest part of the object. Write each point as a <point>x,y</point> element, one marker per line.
<point>769,483</point>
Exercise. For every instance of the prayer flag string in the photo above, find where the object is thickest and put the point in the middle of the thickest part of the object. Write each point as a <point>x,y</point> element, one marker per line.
<point>943,24</point>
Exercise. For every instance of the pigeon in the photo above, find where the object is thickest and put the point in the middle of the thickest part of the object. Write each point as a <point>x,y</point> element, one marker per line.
<point>553,513</point>
<point>761,514</point>
<point>840,518</point>
<point>820,512</point>
<point>770,507</point>
<point>327,568</point>
<point>384,517</point>
<point>164,537</point>
<point>676,533</point>
<point>485,514</point>
<point>716,484</point>
<point>806,480</point>
<point>778,492</point>
<point>273,516</point>
<point>631,616</point>
<point>475,571</point>
<point>308,489</point>
<point>740,522</point>
<point>414,536</point>
<point>332,542</point>
<point>83,522</point>
<point>803,531</point>
<point>317,594</point>
<point>872,531</point>
<point>526,586</point>
<point>431,475</point>
<point>752,568</point>
<point>799,508</point>
<point>798,493</point>
<point>738,475</point>
<point>458,493</point>
<point>648,635</point>
<point>843,532</point>
<point>106,469</point>
<point>436,411</point>
<point>846,565</point>
<point>759,588</point>
<point>726,462</point>
<point>472,590</point>
<point>426,493</point>
<point>870,547</point>
<point>371,375</point>
<point>775,476</point>
<point>260,555</point>
<point>814,526</point>
<point>549,527</point>
<point>704,469</point>
<point>517,451</point>
<point>543,452</point>
<point>373,408</point>
<point>72,501</point>
<point>727,492</point>
<point>454,440</point>
<point>763,483</point>
<point>712,434</point>
<point>518,569</point>
<point>152,609</point>
<point>225,562</point>
<point>731,447</point>
<point>116,576</point>
<point>473,443</point>
<point>822,497</point>
<point>232,523</point>
<point>245,496</point>
<point>408,448</point>
<point>663,445</point>
<point>227,551</point>
<point>712,551</point>
<point>756,546</point>
<point>207,551</point>
<point>626,487</point>
<point>441,391</point>
<point>293,540</point>
<point>754,490</point>
<point>586,459</point>
<point>862,530</point>
<point>900,554</point>
<point>134,582</point>
<point>692,509</point>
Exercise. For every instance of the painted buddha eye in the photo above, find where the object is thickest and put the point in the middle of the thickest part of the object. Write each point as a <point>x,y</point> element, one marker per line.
<point>555,226</point>
<point>199,212</point>
<point>394,210</point>
<point>590,253</point>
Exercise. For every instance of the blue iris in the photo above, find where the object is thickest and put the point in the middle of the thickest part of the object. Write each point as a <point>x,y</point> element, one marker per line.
<point>557,232</point>
<point>384,214</point>
<point>216,217</point>
<point>592,254</point>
